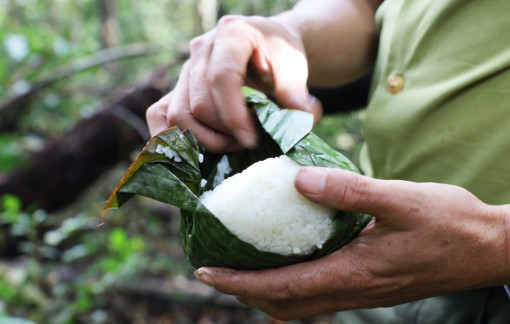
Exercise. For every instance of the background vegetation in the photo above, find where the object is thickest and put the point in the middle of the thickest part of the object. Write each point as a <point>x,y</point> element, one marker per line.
<point>58,266</point>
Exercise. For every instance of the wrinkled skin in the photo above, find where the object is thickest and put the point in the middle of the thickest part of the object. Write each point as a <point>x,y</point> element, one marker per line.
<point>428,239</point>
<point>275,55</point>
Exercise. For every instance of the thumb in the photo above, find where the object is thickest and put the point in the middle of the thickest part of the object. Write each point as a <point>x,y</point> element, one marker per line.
<point>345,190</point>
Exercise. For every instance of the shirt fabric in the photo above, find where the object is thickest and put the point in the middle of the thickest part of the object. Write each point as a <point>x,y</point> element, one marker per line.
<point>439,111</point>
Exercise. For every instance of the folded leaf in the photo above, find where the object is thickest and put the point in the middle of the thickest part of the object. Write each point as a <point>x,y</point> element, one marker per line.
<point>169,169</point>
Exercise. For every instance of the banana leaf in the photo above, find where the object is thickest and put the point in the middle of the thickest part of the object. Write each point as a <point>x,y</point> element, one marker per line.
<point>177,178</point>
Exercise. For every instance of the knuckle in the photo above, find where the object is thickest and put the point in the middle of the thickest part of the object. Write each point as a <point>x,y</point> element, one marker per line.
<point>155,111</point>
<point>199,107</point>
<point>196,43</point>
<point>284,290</point>
<point>173,117</point>
<point>228,19</point>
<point>151,113</point>
<point>234,25</point>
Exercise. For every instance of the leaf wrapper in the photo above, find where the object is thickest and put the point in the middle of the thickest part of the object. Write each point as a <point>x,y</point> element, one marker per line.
<point>177,181</point>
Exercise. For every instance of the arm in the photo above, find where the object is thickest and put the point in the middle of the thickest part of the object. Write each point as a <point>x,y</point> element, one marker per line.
<point>334,38</point>
<point>339,38</point>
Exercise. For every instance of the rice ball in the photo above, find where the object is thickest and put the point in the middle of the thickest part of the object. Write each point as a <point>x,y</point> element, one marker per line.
<point>262,207</point>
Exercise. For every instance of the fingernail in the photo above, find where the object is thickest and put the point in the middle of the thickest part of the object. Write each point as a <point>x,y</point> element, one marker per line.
<point>311,180</point>
<point>204,275</point>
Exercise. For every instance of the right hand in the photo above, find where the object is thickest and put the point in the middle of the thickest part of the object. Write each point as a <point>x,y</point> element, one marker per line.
<point>254,51</point>
<point>428,239</point>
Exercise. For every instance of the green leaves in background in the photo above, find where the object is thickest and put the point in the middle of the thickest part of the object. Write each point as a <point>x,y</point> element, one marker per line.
<point>13,153</point>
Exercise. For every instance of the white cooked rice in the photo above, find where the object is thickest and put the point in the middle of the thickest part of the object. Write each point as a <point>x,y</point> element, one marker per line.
<point>261,206</point>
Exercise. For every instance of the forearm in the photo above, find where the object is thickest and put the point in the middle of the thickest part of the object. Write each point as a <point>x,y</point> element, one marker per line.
<point>339,37</point>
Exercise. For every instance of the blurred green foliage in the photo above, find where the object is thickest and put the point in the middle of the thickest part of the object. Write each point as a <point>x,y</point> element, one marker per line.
<point>13,154</point>
<point>39,37</point>
<point>70,273</point>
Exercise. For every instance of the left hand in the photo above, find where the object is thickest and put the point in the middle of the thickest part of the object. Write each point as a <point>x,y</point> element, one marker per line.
<point>428,239</point>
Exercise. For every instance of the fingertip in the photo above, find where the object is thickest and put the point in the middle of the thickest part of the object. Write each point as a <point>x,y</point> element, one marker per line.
<point>314,106</point>
<point>204,275</point>
<point>156,120</point>
<point>302,100</point>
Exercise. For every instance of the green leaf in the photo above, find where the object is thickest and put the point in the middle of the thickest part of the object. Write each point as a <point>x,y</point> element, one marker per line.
<point>286,126</point>
<point>312,150</point>
<point>156,176</point>
<point>206,240</point>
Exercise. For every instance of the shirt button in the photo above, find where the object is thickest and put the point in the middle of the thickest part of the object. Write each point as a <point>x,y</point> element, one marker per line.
<point>395,83</point>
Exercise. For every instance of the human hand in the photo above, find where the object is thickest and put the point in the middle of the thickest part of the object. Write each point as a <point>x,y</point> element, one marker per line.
<point>256,51</point>
<point>428,239</point>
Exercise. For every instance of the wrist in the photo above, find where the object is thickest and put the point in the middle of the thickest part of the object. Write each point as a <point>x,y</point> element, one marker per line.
<point>503,214</point>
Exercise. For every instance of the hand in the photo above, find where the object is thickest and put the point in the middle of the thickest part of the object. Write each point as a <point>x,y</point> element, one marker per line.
<point>428,239</point>
<point>207,99</point>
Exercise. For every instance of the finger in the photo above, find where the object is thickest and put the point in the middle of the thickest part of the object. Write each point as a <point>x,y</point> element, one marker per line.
<point>201,103</point>
<point>179,114</point>
<point>156,115</point>
<point>344,190</point>
<point>290,82</point>
<point>213,140</point>
<point>297,281</point>
<point>227,71</point>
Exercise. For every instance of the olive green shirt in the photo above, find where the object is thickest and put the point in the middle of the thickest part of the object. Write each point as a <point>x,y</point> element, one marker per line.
<point>439,111</point>
<point>448,120</point>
